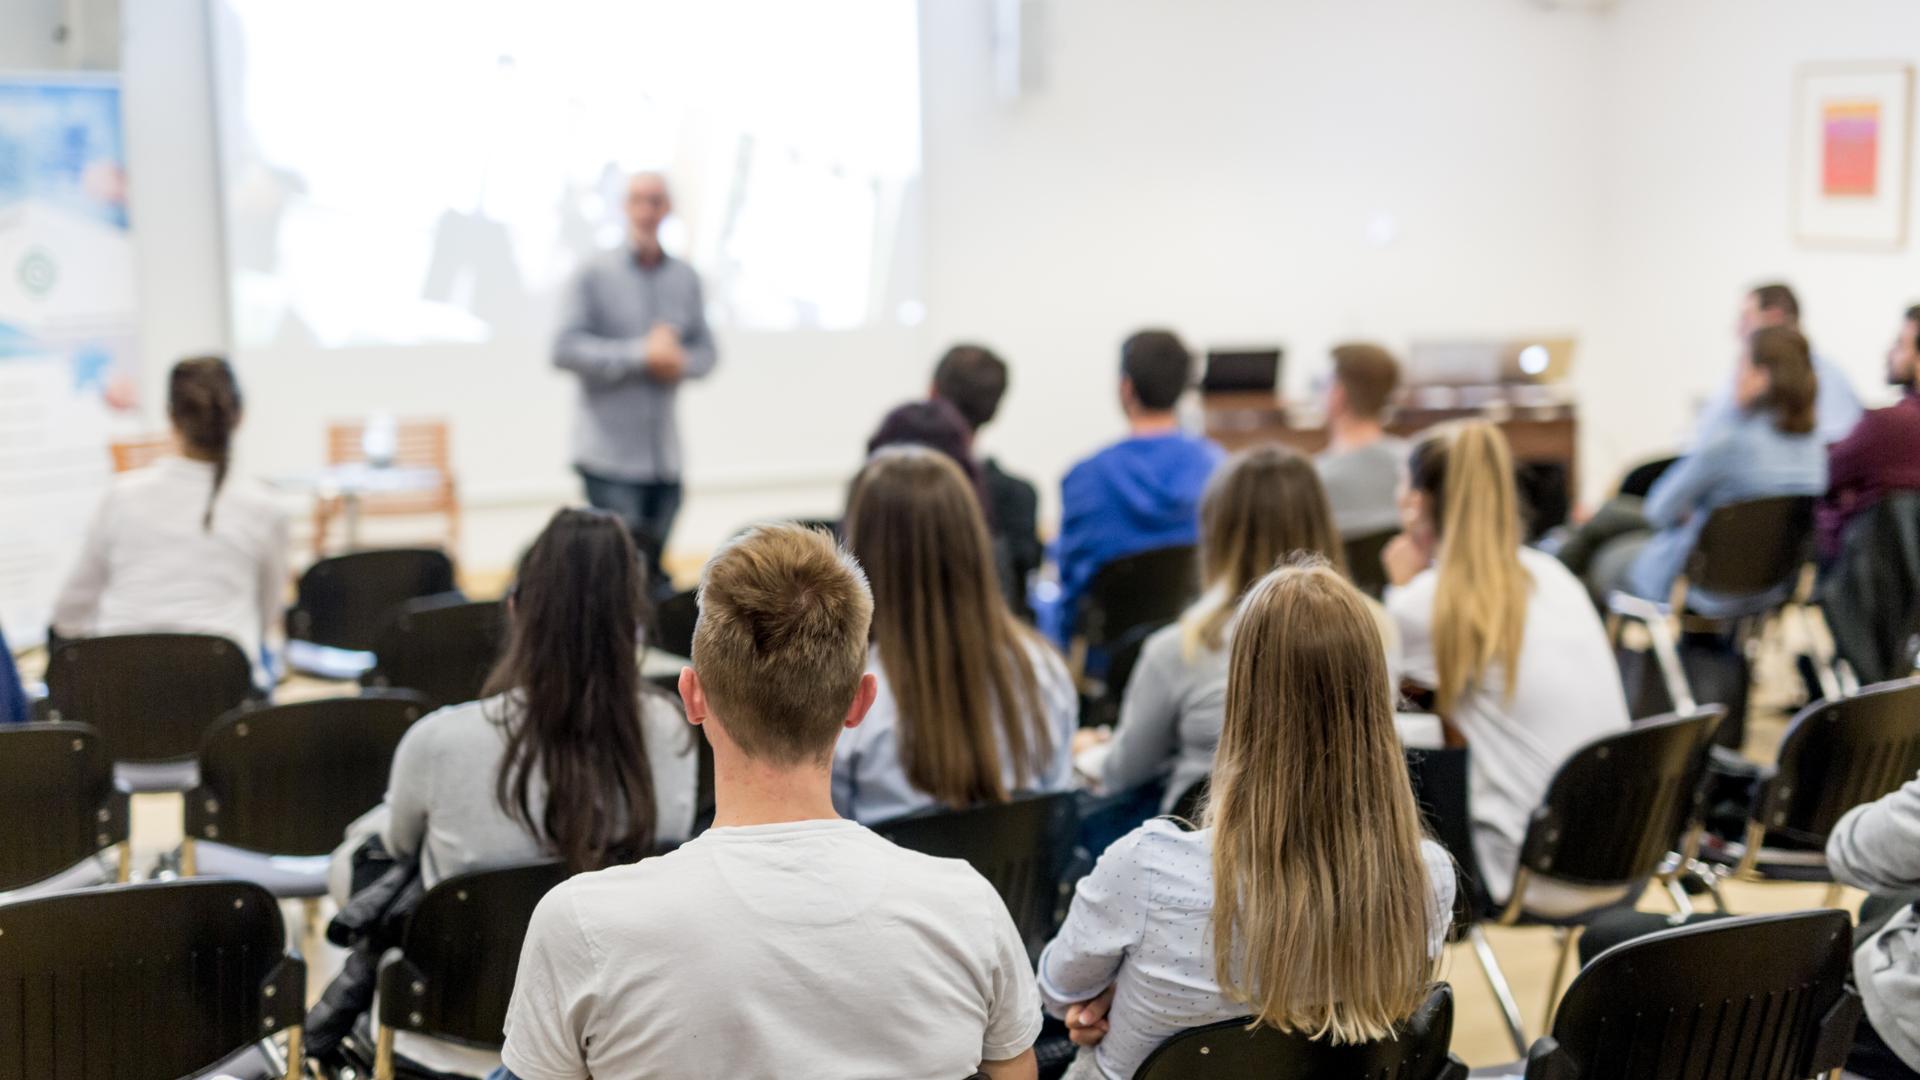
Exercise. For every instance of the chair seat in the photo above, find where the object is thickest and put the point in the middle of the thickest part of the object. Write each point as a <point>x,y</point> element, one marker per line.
<point>85,874</point>
<point>153,776</point>
<point>285,876</point>
<point>1551,902</point>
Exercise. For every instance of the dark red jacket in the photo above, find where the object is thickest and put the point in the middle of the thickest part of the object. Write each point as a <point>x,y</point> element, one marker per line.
<point>1881,454</point>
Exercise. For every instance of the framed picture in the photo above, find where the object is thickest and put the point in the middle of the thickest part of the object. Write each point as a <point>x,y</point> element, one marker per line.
<point>1852,157</point>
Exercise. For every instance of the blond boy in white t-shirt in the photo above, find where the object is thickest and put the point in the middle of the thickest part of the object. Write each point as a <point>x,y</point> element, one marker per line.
<point>784,941</point>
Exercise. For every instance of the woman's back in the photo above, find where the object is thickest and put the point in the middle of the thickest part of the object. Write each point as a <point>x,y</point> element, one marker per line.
<point>1567,692</point>
<point>1150,900</point>
<point>154,562</point>
<point>870,781</point>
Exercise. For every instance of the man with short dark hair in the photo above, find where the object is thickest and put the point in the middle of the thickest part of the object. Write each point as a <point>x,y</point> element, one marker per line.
<point>1882,452</point>
<point>784,941</point>
<point>1142,492</point>
<point>1360,467</point>
<point>1837,408</point>
<point>973,379</point>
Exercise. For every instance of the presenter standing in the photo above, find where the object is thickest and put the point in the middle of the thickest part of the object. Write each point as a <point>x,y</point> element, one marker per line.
<point>633,328</point>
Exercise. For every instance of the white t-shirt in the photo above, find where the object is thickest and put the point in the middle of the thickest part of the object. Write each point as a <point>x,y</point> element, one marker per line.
<point>1568,693</point>
<point>802,949</point>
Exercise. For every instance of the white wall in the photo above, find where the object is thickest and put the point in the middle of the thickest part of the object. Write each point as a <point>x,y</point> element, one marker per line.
<point>1211,165</point>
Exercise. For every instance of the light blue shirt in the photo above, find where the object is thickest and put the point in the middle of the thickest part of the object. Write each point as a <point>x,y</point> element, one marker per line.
<point>1744,458</point>
<point>1836,407</point>
<point>870,783</point>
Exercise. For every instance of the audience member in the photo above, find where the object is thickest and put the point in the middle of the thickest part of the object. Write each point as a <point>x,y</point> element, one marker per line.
<point>784,941</point>
<point>973,379</point>
<point>1263,506</point>
<point>972,706</point>
<point>13,696</point>
<point>1770,448</point>
<point>1361,464</point>
<point>1836,409</point>
<point>938,426</point>
<point>1877,848</point>
<point>1882,453</point>
<point>571,754</point>
<point>1142,492</point>
<point>1504,635</point>
<point>1308,898</point>
<point>181,546</point>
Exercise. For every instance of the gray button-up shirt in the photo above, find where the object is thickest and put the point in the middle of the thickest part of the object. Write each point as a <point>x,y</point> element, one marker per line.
<point>624,426</point>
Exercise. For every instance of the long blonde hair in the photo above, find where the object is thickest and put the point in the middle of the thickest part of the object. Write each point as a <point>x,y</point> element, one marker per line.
<point>960,665</point>
<point>1264,505</point>
<point>1321,918</point>
<point>1480,596</point>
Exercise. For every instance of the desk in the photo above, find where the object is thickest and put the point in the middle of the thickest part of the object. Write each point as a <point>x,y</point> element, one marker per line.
<point>351,481</point>
<point>1542,432</point>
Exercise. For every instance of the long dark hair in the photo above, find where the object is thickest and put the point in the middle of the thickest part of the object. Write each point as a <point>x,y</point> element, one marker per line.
<point>572,670</point>
<point>203,401</point>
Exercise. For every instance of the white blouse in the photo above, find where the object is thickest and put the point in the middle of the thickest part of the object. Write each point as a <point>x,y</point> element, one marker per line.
<point>150,564</point>
<point>1142,923</point>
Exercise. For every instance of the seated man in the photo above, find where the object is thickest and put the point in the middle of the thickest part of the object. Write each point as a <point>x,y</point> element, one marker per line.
<point>1836,409</point>
<point>1360,467</point>
<point>1142,492</point>
<point>972,378</point>
<point>1882,453</point>
<point>784,941</point>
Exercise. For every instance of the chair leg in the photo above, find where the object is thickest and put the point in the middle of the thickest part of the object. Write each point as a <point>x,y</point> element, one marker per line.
<point>296,1060</point>
<point>123,873</point>
<point>1834,894</point>
<point>1682,903</point>
<point>189,864</point>
<point>1568,939</point>
<point>1666,650</point>
<point>383,1054</point>
<point>1497,980</point>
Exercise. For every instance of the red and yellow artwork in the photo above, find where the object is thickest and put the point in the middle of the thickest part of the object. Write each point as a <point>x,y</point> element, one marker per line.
<point>1850,143</point>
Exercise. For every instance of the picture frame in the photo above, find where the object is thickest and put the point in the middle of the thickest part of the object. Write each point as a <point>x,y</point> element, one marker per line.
<point>1853,150</point>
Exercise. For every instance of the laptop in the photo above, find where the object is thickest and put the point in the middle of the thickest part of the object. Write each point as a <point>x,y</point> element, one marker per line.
<point>1241,371</point>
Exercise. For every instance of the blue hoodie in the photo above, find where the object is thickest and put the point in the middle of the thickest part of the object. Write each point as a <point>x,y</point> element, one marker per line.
<point>1139,494</point>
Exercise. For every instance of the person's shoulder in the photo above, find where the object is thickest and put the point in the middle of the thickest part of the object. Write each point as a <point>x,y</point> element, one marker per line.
<point>252,494</point>
<point>1009,484</point>
<point>1161,845</point>
<point>1551,577</point>
<point>1414,600</point>
<point>458,723</point>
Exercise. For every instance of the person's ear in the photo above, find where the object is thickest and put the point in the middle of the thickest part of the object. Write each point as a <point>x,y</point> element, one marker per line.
<point>1129,398</point>
<point>1336,398</point>
<point>863,696</point>
<point>693,696</point>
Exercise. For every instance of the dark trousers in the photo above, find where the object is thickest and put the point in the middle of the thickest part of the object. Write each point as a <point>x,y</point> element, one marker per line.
<point>648,507</point>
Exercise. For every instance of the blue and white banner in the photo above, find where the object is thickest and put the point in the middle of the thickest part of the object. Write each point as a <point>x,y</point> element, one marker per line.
<point>68,367</point>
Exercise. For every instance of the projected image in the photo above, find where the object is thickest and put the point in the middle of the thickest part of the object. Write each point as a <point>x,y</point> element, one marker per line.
<point>432,172</point>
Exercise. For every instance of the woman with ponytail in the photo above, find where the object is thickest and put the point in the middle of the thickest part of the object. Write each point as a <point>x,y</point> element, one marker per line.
<point>181,545</point>
<point>1503,635</point>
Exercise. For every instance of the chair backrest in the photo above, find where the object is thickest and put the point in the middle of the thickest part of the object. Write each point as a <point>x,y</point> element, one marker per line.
<point>289,779</point>
<point>150,696</point>
<point>1640,479</point>
<point>143,982</point>
<point>1837,755</point>
<point>1622,802</point>
<point>1760,998</point>
<point>139,452</point>
<point>1150,588</point>
<point>440,647</point>
<point>1364,567</point>
<point>1442,788</point>
<point>1021,846</point>
<point>460,951</point>
<point>57,798</point>
<point>673,623</point>
<point>344,601</point>
<point>1753,548</point>
<point>1229,1050</point>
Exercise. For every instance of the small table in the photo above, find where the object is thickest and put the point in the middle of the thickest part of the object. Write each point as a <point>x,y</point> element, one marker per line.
<point>351,481</point>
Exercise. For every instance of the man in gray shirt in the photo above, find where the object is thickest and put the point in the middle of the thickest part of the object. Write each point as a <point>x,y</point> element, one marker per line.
<point>1361,466</point>
<point>633,327</point>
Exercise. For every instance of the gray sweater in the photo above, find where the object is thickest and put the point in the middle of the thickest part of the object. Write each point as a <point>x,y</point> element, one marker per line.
<point>624,425</point>
<point>1876,847</point>
<point>1170,717</point>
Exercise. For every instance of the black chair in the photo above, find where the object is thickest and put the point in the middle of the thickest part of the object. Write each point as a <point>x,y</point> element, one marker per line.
<point>145,982</point>
<point>1230,1050</point>
<point>289,779</point>
<point>1870,594</point>
<point>1749,556</point>
<point>453,976</point>
<point>1147,589</point>
<point>1022,847</point>
<point>440,647</point>
<point>1101,702</point>
<point>59,802</point>
<point>673,622</point>
<point>346,600</point>
<point>1836,755</point>
<point>150,696</point>
<point>1641,478</point>
<point>1760,998</point>
<point>1364,567</point>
